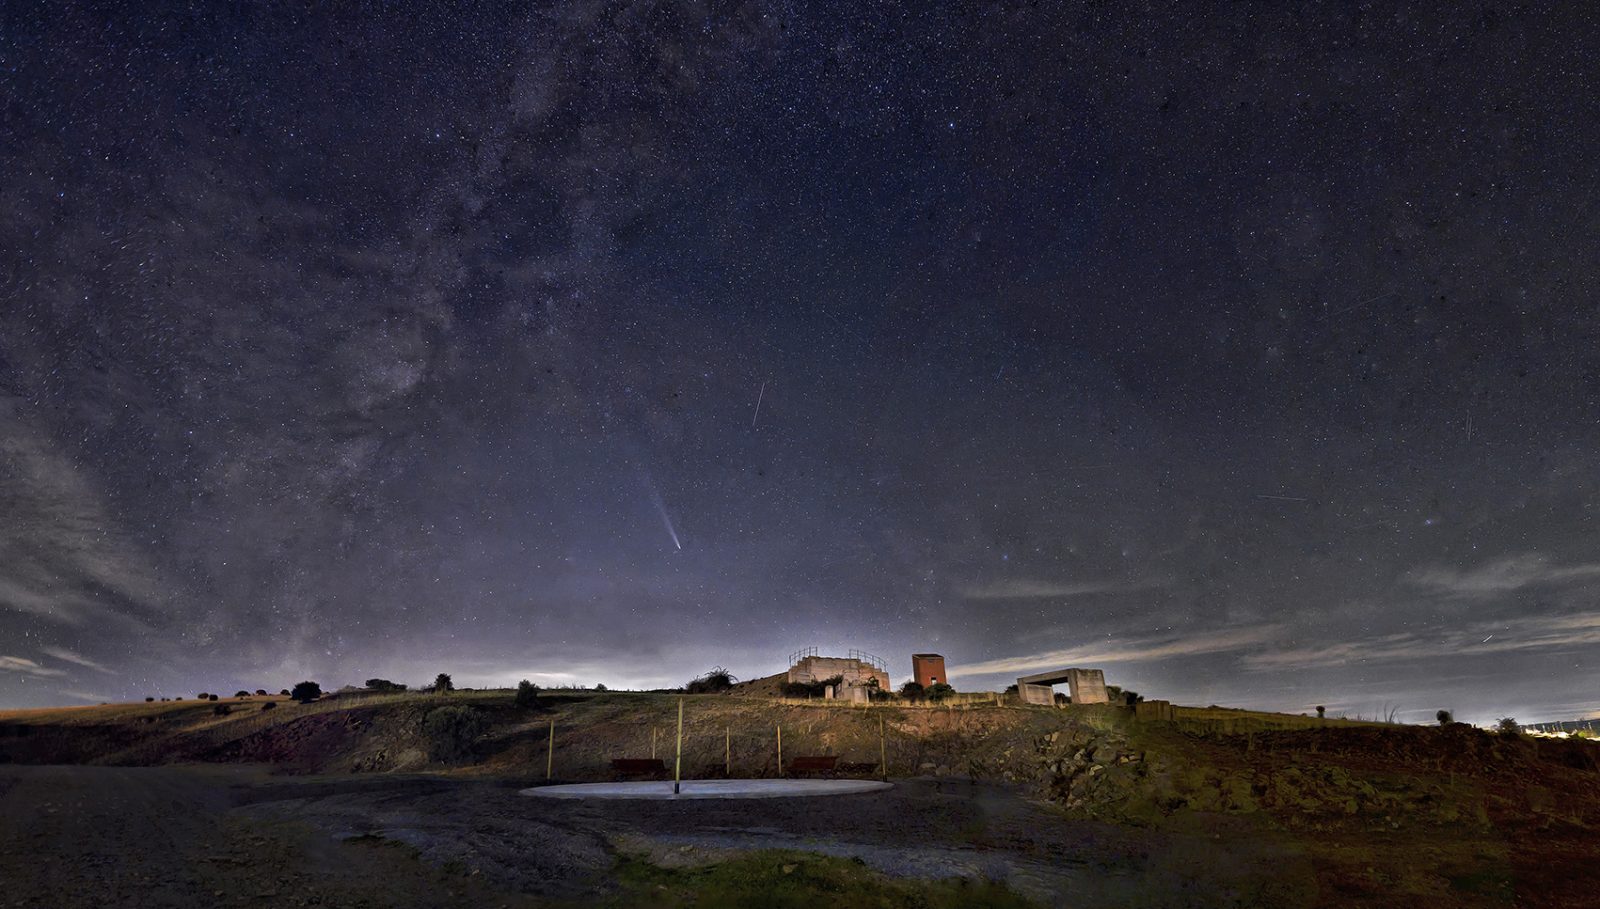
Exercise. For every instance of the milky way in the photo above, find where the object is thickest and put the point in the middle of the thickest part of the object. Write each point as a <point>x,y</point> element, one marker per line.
<point>1250,355</point>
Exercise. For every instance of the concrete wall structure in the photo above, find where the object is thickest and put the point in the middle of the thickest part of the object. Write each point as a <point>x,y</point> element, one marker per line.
<point>928,669</point>
<point>1154,711</point>
<point>1087,686</point>
<point>814,669</point>
<point>1042,695</point>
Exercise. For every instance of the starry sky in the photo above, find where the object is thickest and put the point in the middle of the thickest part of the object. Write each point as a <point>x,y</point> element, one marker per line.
<point>1250,355</point>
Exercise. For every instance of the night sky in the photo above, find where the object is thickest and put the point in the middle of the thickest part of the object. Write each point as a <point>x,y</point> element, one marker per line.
<point>1252,356</point>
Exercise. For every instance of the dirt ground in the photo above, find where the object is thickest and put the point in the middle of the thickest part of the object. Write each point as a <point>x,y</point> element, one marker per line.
<point>239,836</point>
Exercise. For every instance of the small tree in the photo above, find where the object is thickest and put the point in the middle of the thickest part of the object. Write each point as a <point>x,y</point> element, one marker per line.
<point>1508,726</point>
<point>1321,711</point>
<point>222,709</point>
<point>202,696</point>
<point>527,693</point>
<point>262,692</point>
<point>939,691</point>
<point>385,686</point>
<point>269,705</point>
<point>148,700</point>
<point>241,694</point>
<point>306,692</point>
<point>1444,717</point>
<point>912,691</point>
<point>599,687</point>
<point>211,697</point>
<point>442,683</point>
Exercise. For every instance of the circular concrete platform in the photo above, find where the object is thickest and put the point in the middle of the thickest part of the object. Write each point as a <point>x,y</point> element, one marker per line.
<point>706,789</point>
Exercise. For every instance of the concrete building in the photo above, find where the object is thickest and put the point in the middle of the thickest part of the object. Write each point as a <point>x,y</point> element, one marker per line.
<point>928,669</point>
<point>1087,686</point>
<point>857,669</point>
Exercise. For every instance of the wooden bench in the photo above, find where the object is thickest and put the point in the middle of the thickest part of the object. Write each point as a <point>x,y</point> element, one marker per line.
<point>638,767</point>
<point>825,764</point>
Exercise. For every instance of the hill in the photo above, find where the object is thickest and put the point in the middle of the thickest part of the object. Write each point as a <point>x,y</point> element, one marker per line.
<point>1431,815</point>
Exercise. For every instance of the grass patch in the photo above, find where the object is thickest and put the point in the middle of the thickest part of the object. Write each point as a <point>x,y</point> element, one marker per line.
<point>775,879</point>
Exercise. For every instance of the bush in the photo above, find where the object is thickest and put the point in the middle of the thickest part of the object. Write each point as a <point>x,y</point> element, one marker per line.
<point>1444,717</point>
<point>912,691</point>
<point>262,692</point>
<point>716,681</point>
<point>306,692</point>
<point>241,694</point>
<point>813,689</point>
<point>938,691</point>
<point>284,692</point>
<point>451,731</point>
<point>269,705</point>
<point>385,686</point>
<point>527,693</point>
<point>1508,726</point>
<point>221,709</point>
<point>148,700</point>
<point>599,687</point>
<point>442,683</point>
<point>203,696</point>
<point>213,697</point>
<point>1321,711</point>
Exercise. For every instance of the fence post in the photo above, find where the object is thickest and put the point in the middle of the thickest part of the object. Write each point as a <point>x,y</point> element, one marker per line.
<point>727,751</point>
<point>780,748</point>
<point>677,761</point>
<point>550,751</point>
<point>883,751</point>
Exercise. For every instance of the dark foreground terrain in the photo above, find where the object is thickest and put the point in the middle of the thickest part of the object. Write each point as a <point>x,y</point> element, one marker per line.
<point>236,836</point>
<point>355,802</point>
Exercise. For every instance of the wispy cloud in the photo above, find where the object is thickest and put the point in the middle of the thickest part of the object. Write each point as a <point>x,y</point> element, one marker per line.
<point>86,696</point>
<point>65,655</point>
<point>27,667</point>
<point>1501,576</point>
<point>1026,589</point>
<point>1136,650</point>
<point>1541,633</point>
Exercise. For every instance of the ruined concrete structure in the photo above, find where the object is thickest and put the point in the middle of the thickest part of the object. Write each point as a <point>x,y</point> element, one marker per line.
<point>1086,686</point>
<point>1155,711</point>
<point>928,669</point>
<point>853,671</point>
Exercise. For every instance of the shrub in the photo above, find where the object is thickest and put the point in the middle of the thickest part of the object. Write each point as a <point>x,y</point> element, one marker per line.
<point>306,692</point>
<point>262,692</point>
<point>1321,711</point>
<point>812,689</point>
<point>1508,726</point>
<point>716,681</point>
<point>284,692</point>
<point>241,694</point>
<point>599,687</point>
<point>269,705</point>
<point>527,693</point>
<point>442,683</point>
<point>178,698</point>
<point>385,686</point>
<point>221,709</point>
<point>211,697</point>
<point>451,731</point>
<point>938,691</point>
<point>203,696</point>
<point>912,691</point>
<point>1444,717</point>
<point>148,700</point>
